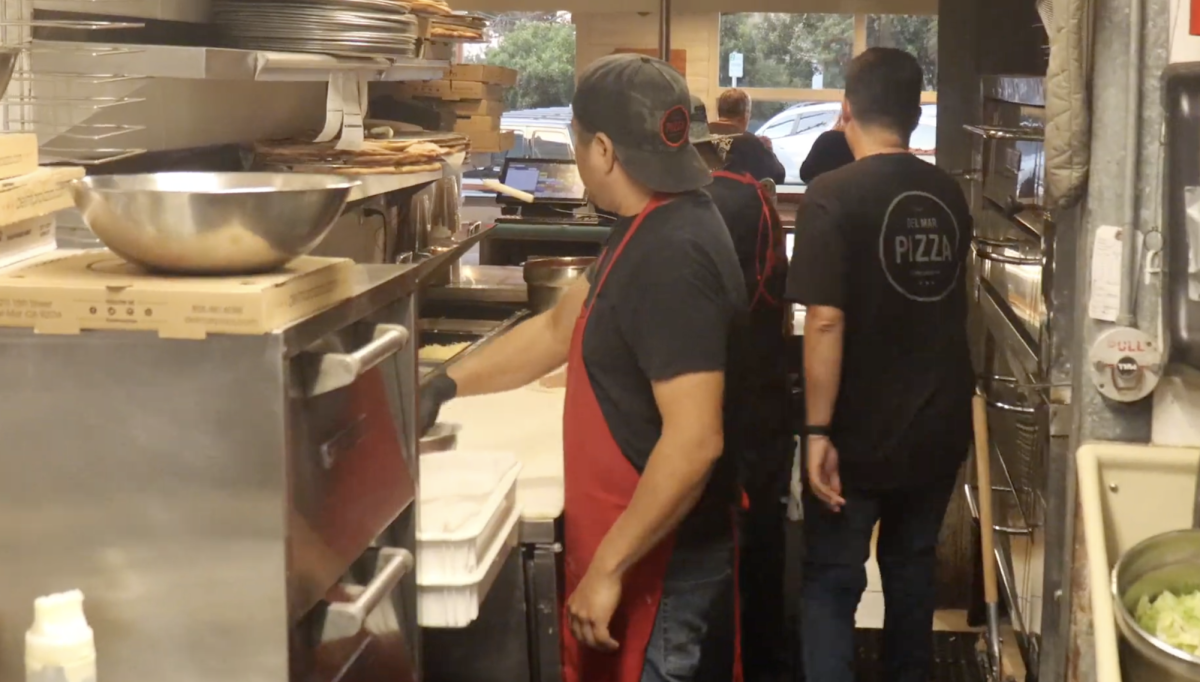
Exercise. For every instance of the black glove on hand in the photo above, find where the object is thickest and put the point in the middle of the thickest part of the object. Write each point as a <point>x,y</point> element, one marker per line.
<point>439,390</point>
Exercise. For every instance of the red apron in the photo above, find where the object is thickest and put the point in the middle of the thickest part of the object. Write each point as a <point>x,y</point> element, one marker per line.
<point>765,260</point>
<point>599,483</point>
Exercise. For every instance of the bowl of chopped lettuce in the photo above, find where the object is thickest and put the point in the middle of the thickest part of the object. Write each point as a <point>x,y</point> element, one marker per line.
<point>1156,595</point>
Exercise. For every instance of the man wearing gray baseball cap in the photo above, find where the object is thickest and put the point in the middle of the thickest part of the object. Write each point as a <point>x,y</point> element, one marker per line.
<point>649,492</point>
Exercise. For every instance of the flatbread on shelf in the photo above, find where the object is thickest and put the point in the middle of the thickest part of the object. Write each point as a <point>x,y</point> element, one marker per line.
<point>390,156</point>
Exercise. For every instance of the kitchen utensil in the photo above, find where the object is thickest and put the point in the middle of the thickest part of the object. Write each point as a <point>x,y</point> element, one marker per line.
<point>211,223</point>
<point>440,437</point>
<point>501,188</point>
<point>547,279</point>
<point>1169,561</point>
<point>991,593</point>
<point>8,64</point>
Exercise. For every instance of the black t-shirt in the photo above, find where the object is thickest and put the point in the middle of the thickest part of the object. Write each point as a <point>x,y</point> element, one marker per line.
<point>667,308</point>
<point>885,240</point>
<point>829,152</point>
<point>756,379</point>
<point>748,154</point>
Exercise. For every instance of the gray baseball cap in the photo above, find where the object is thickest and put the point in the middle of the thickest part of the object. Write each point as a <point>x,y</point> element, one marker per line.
<point>643,106</point>
<point>701,132</point>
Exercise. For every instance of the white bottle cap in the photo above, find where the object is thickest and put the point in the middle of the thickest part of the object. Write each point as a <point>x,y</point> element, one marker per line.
<point>60,635</point>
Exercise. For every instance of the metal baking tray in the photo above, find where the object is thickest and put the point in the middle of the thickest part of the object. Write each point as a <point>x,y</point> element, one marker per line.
<point>478,333</point>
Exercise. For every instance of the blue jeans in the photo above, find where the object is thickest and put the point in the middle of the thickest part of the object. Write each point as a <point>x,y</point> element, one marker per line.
<point>693,638</point>
<point>837,547</point>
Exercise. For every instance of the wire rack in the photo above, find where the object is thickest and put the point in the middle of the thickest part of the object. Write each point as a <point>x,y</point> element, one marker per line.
<point>79,118</point>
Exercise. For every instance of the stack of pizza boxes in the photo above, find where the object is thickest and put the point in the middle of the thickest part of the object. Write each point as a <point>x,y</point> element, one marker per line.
<point>29,196</point>
<point>474,95</point>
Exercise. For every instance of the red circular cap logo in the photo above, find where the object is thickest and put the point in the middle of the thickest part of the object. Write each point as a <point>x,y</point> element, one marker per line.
<point>674,126</point>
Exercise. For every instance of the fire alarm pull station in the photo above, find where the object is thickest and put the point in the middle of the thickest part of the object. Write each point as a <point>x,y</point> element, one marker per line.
<point>1194,22</point>
<point>1126,364</point>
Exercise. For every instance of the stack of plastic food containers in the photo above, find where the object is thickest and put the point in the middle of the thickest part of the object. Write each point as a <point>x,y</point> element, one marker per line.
<point>468,526</point>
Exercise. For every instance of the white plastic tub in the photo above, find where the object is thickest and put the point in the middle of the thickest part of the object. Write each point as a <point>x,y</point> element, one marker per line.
<point>455,603</point>
<point>466,499</point>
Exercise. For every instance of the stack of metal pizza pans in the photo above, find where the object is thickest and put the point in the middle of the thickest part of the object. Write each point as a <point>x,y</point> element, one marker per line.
<point>352,28</point>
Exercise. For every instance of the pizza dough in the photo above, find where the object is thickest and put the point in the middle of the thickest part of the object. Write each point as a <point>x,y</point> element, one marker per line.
<point>441,352</point>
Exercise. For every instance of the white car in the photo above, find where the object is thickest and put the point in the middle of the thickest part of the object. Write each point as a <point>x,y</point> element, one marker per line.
<point>793,131</point>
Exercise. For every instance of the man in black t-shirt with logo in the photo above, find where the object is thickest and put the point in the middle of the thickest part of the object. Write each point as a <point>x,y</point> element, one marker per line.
<point>880,262</point>
<point>649,495</point>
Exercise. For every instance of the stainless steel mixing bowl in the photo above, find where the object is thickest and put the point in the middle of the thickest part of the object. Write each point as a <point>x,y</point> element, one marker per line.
<point>212,223</point>
<point>1170,561</point>
<point>548,278</point>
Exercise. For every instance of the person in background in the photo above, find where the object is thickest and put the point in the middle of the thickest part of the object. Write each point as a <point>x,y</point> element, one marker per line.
<point>756,393</point>
<point>829,152</point>
<point>880,262</point>
<point>649,495</point>
<point>748,153</point>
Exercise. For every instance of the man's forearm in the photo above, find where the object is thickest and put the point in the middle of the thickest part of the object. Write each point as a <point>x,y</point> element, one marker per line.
<point>526,353</point>
<point>671,485</point>
<point>822,370</point>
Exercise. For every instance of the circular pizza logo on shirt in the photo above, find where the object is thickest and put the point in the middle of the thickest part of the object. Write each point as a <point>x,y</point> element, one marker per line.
<point>918,247</point>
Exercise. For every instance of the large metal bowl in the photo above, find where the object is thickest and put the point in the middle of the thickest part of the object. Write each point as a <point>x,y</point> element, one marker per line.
<point>212,223</point>
<point>1170,561</point>
<point>547,279</point>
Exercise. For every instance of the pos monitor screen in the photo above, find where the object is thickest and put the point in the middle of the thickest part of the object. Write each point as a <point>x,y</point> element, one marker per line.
<point>550,181</point>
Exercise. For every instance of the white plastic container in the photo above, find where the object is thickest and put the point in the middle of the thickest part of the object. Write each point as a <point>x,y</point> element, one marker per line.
<point>466,499</point>
<point>454,603</point>
<point>60,646</point>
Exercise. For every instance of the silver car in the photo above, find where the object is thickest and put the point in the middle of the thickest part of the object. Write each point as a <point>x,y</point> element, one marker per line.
<point>793,131</point>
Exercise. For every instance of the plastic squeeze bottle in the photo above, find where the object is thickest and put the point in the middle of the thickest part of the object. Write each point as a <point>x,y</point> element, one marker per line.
<point>60,647</point>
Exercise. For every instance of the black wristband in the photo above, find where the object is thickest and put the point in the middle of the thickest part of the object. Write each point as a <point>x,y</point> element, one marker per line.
<point>824,431</point>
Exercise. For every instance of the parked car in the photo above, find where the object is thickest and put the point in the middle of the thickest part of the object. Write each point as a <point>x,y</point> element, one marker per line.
<point>540,133</point>
<point>793,131</point>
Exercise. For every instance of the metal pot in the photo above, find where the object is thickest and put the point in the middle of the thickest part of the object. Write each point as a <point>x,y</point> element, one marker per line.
<point>547,279</point>
<point>1170,561</point>
<point>441,437</point>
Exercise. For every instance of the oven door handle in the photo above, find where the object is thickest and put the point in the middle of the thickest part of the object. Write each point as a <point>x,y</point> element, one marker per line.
<point>346,619</point>
<point>338,370</point>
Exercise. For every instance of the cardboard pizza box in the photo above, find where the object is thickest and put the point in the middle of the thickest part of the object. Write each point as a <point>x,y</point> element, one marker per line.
<point>96,289</point>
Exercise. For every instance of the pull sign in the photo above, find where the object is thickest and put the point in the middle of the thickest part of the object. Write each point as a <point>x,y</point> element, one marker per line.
<point>1125,364</point>
<point>1194,23</point>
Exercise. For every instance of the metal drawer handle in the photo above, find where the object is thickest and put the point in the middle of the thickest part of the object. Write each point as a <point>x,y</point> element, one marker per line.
<point>982,247</point>
<point>345,619</point>
<point>338,370</point>
<point>1000,133</point>
<point>1007,407</point>
<point>972,494</point>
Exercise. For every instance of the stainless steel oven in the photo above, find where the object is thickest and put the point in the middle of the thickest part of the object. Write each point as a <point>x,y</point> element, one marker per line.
<point>240,507</point>
<point>1021,278</point>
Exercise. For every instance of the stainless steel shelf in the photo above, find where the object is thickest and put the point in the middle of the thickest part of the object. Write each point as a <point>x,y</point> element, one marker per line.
<point>219,63</point>
<point>374,185</point>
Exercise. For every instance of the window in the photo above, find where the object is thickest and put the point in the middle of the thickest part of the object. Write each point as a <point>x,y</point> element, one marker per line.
<point>819,122</point>
<point>916,35</point>
<point>793,68</point>
<point>782,50</point>
<point>780,126</point>
<point>552,144</point>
